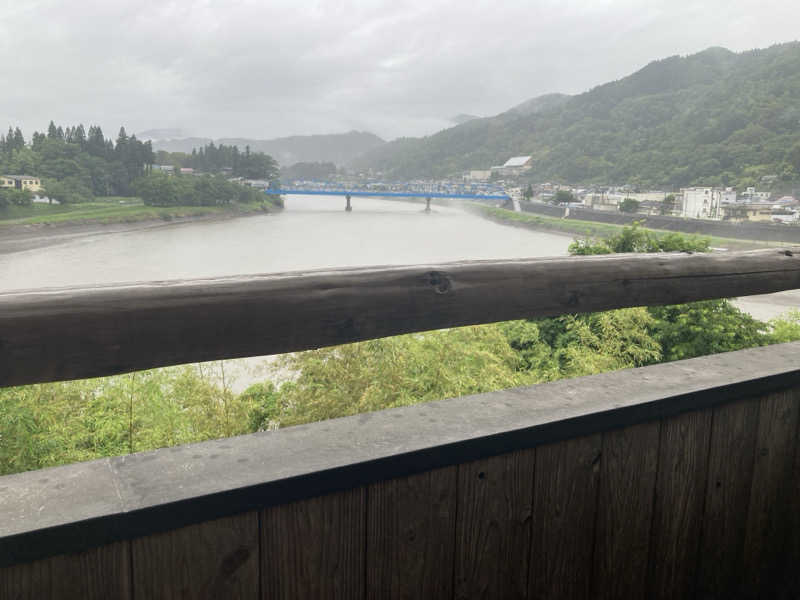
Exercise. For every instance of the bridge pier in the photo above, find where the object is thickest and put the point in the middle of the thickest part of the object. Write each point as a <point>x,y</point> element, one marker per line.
<point>427,205</point>
<point>348,208</point>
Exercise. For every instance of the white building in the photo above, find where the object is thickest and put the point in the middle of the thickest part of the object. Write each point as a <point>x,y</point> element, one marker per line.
<point>706,203</point>
<point>515,165</point>
<point>479,175</point>
<point>751,195</point>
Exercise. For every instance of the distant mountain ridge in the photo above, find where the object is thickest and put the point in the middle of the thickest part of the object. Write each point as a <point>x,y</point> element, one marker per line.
<point>462,118</point>
<point>339,148</point>
<point>716,117</point>
<point>539,103</point>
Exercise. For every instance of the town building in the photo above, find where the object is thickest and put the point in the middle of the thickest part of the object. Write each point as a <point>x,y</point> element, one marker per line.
<point>21,182</point>
<point>479,175</point>
<point>516,165</point>
<point>706,202</point>
<point>760,211</point>
<point>751,195</point>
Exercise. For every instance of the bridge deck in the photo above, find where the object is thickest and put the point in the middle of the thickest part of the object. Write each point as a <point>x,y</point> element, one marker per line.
<point>380,194</point>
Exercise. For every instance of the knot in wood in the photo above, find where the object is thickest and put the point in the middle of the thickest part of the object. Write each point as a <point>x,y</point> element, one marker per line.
<point>788,253</point>
<point>439,281</point>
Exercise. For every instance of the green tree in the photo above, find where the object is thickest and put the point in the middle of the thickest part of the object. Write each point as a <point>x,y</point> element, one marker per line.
<point>629,205</point>
<point>786,329</point>
<point>637,239</point>
<point>701,328</point>
<point>563,197</point>
<point>528,193</point>
<point>685,330</point>
<point>794,157</point>
<point>668,205</point>
<point>10,197</point>
<point>398,371</point>
<point>69,190</point>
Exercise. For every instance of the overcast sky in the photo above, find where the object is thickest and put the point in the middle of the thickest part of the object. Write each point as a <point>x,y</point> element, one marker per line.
<point>265,69</point>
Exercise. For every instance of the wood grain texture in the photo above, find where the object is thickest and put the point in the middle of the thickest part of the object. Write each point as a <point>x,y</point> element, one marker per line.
<point>315,548</point>
<point>564,510</point>
<point>100,574</point>
<point>493,526</point>
<point>679,503</point>
<point>50,335</point>
<point>730,475</point>
<point>790,578</point>
<point>215,559</point>
<point>410,534</point>
<point>769,514</point>
<point>624,511</point>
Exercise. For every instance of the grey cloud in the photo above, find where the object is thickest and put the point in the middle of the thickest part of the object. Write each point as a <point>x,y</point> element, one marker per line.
<point>266,69</point>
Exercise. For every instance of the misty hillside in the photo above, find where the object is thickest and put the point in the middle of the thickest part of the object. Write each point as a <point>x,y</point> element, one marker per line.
<point>462,118</point>
<point>338,148</point>
<point>714,117</point>
<point>184,144</point>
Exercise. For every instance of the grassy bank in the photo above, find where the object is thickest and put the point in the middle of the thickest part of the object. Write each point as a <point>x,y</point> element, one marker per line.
<point>595,230</point>
<point>113,209</point>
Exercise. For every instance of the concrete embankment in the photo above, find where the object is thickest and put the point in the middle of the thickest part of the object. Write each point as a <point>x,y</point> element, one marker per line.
<point>762,232</point>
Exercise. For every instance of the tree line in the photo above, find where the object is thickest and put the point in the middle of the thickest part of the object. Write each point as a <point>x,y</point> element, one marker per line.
<point>75,165</point>
<point>213,158</point>
<point>159,189</point>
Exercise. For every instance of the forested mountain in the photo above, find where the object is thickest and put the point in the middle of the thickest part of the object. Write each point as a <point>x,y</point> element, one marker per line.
<point>340,148</point>
<point>715,118</point>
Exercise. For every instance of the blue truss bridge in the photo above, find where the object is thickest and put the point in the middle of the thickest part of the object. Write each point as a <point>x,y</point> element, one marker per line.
<point>427,190</point>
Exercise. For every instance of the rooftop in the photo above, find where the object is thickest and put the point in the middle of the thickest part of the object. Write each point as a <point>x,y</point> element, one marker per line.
<point>517,161</point>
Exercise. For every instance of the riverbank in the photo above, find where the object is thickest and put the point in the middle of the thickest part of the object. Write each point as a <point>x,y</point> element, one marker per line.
<point>593,229</point>
<point>48,228</point>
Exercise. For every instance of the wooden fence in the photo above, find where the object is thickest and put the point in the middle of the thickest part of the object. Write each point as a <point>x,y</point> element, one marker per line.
<point>679,480</point>
<point>597,487</point>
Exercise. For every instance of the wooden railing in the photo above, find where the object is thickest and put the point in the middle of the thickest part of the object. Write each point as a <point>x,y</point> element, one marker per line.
<point>677,480</point>
<point>54,334</point>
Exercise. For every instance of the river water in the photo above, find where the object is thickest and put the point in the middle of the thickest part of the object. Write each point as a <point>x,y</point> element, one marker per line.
<point>312,232</point>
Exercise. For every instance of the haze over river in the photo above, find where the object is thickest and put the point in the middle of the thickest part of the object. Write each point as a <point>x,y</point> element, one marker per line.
<point>312,232</point>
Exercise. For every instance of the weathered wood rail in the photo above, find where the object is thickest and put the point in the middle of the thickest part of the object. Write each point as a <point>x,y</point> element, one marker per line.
<point>48,335</point>
<point>679,480</point>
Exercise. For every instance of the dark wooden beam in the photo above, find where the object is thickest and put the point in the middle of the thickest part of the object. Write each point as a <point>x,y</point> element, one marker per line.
<point>58,334</point>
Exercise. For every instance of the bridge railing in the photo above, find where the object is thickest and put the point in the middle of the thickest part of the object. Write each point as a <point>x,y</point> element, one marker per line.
<point>393,189</point>
<point>676,480</point>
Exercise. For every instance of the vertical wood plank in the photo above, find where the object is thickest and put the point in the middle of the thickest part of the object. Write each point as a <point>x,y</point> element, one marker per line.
<point>769,512</point>
<point>493,526</point>
<point>410,534</point>
<point>99,573</point>
<point>564,509</point>
<point>315,548</point>
<point>730,476</point>
<point>624,511</point>
<point>215,559</point>
<point>679,502</point>
<point>791,574</point>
